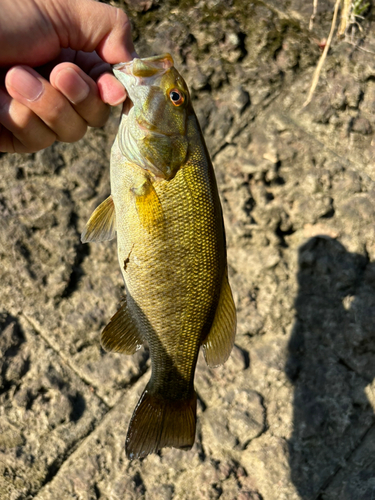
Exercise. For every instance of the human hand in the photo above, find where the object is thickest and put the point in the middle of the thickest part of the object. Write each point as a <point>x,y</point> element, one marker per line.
<point>71,43</point>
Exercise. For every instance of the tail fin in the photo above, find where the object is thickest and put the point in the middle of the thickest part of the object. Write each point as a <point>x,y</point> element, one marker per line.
<point>158,423</point>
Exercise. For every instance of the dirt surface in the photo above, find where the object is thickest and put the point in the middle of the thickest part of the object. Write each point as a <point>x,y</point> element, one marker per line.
<point>291,414</point>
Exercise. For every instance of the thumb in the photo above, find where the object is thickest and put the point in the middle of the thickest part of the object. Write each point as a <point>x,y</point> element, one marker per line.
<point>33,33</point>
<point>94,26</point>
<point>88,25</point>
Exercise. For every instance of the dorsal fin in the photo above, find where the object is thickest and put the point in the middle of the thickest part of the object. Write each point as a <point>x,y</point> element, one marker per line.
<point>102,223</point>
<point>219,343</point>
<point>121,334</point>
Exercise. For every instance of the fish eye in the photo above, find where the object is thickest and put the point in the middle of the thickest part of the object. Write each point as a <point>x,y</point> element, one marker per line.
<point>176,97</point>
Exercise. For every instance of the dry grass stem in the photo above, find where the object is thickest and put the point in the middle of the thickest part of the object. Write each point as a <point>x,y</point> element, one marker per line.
<point>344,17</point>
<point>323,56</point>
<point>312,18</point>
<point>356,46</point>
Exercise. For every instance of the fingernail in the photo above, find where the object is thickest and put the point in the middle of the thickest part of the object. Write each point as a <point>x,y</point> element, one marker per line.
<point>73,87</point>
<point>111,91</point>
<point>25,83</point>
<point>119,100</point>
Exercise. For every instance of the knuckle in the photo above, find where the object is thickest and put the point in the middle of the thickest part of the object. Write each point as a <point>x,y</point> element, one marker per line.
<point>34,136</point>
<point>73,134</point>
<point>36,142</point>
<point>65,122</point>
<point>122,18</point>
<point>57,111</point>
<point>29,137</point>
<point>6,141</point>
<point>100,118</point>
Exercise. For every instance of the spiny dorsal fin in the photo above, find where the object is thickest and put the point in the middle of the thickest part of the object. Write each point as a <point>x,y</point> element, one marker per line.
<point>159,423</point>
<point>102,223</point>
<point>219,342</point>
<point>148,205</point>
<point>121,333</point>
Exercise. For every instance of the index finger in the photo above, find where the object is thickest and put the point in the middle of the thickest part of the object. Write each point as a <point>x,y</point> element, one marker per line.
<point>110,89</point>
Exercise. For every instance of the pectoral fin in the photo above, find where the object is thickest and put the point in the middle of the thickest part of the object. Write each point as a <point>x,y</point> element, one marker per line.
<point>102,223</point>
<point>219,342</point>
<point>121,333</point>
<point>148,205</point>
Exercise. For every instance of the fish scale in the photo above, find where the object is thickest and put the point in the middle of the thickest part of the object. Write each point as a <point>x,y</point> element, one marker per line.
<point>165,207</point>
<point>198,270</point>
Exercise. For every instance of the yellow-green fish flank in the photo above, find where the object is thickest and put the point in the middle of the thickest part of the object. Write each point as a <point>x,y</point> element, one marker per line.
<point>165,207</point>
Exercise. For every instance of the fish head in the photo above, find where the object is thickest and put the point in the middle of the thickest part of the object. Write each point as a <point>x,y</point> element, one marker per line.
<point>153,133</point>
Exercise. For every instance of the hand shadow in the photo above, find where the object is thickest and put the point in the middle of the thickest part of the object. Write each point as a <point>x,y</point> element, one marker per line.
<point>331,362</point>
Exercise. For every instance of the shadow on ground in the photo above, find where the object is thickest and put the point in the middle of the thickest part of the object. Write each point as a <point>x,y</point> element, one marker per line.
<point>332,365</point>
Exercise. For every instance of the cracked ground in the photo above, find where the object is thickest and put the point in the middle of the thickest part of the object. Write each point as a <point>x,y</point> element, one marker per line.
<point>290,416</point>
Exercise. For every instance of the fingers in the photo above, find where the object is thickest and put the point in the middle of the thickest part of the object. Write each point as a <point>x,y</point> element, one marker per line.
<point>33,33</point>
<point>21,131</point>
<point>34,114</point>
<point>28,88</point>
<point>27,35</point>
<point>111,91</point>
<point>92,26</point>
<point>82,92</point>
<point>41,112</point>
<point>118,44</point>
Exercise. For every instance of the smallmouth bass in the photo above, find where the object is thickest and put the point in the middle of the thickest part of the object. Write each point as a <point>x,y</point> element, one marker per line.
<point>164,206</point>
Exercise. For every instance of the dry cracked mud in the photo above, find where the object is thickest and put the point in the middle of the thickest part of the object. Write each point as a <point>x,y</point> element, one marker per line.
<point>290,416</point>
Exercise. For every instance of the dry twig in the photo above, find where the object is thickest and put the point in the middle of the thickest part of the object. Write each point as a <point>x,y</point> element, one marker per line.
<point>312,18</point>
<point>323,56</point>
<point>356,46</point>
<point>344,17</point>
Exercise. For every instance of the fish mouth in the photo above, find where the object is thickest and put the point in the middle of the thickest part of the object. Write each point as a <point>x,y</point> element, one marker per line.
<point>138,72</point>
<point>146,67</point>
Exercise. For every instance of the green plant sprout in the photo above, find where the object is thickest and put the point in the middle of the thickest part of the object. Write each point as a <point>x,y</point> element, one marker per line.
<point>350,14</point>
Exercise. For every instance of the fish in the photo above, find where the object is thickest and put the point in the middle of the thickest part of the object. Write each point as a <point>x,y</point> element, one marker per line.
<point>165,209</point>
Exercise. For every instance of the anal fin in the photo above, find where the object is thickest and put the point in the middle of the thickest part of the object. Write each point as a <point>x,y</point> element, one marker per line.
<point>158,422</point>
<point>218,345</point>
<point>121,333</point>
<point>102,223</point>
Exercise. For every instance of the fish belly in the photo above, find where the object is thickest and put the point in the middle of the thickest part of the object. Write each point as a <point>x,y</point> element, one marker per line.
<point>172,266</point>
